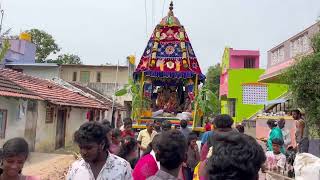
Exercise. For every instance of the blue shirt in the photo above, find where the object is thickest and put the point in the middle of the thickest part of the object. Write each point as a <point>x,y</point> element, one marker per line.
<point>206,136</point>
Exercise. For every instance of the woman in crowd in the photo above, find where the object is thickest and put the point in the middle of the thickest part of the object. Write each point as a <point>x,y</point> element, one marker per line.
<point>274,133</point>
<point>115,141</point>
<point>193,154</point>
<point>147,166</point>
<point>13,156</point>
<point>128,150</point>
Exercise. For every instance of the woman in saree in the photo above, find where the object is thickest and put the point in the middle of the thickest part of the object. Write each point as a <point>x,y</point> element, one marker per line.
<point>274,133</point>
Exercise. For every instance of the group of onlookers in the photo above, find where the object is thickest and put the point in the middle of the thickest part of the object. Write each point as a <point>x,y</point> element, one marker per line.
<point>160,152</point>
<point>280,150</point>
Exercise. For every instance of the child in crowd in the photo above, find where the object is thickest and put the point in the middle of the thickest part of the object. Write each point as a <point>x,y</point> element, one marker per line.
<point>128,150</point>
<point>115,141</point>
<point>193,154</point>
<point>275,159</point>
<point>13,156</point>
<point>240,128</point>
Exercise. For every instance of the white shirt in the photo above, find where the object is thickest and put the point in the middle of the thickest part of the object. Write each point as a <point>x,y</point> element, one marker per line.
<point>275,160</point>
<point>153,154</point>
<point>115,168</point>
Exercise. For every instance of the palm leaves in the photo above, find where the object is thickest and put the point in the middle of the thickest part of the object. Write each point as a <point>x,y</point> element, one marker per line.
<point>139,103</point>
<point>207,101</point>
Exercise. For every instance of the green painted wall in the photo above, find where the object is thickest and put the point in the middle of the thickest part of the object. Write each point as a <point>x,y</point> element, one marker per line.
<point>224,107</point>
<point>226,59</point>
<point>236,77</point>
<point>276,90</point>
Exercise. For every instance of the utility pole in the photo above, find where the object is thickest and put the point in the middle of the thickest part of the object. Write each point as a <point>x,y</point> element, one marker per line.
<point>113,118</point>
<point>2,14</point>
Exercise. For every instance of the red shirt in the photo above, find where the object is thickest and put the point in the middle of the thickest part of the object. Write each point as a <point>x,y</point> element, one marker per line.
<point>207,127</point>
<point>127,133</point>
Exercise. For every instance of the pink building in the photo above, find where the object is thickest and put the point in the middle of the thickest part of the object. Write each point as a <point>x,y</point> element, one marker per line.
<point>236,59</point>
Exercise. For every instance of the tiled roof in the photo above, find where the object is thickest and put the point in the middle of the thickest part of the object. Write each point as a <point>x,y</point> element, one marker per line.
<point>105,99</point>
<point>50,91</point>
<point>11,89</point>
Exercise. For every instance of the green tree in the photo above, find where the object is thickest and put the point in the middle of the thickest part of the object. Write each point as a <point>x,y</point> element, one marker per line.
<point>4,49</point>
<point>66,59</point>
<point>304,82</point>
<point>139,103</point>
<point>45,44</point>
<point>213,84</point>
<point>213,78</point>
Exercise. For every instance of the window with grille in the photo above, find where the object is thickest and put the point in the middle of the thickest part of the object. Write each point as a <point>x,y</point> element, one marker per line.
<point>49,114</point>
<point>254,94</point>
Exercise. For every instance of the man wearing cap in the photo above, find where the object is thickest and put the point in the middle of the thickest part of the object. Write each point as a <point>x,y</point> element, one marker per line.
<point>145,137</point>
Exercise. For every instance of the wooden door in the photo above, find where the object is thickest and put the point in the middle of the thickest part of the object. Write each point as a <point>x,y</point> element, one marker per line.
<point>61,129</point>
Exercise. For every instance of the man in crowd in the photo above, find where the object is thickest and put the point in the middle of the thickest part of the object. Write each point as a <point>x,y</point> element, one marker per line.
<point>127,128</point>
<point>172,152</point>
<point>157,125</point>
<point>222,123</point>
<point>96,162</point>
<point>145,137</point>
<point>184,128</point>
<point>302,135</point>
<point>243,159</point>
<point>166,125</point>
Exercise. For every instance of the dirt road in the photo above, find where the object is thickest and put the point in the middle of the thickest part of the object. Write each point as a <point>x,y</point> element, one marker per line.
<point>48,166</point>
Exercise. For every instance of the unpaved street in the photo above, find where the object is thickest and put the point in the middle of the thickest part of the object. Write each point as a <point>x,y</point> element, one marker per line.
<point>48,166</point>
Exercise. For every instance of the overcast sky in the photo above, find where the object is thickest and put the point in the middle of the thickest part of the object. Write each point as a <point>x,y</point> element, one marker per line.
<point>102,31</point>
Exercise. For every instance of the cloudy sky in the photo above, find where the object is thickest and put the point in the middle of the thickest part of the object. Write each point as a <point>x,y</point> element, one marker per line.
<point>102,31</point>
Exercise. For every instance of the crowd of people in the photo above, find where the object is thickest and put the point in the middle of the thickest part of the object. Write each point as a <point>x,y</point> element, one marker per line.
<point>280,149</point>
<point>162,153</point>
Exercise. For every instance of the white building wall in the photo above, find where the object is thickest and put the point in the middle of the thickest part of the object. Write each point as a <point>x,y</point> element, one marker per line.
<point>42,72</point>
<point>46,132</point>
<point>76,118</point>
<point>15,127</point>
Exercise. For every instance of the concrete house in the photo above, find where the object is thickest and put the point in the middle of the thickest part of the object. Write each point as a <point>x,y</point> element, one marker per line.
<point>241,95</point>
<point>42,111</point>
<point>105,79</point>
